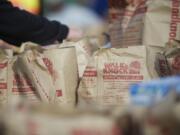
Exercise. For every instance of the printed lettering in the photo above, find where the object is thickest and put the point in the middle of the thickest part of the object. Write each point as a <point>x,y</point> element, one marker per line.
<point>174,19</point>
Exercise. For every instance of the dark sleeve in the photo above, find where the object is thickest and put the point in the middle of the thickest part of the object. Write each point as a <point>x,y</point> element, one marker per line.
<point>17,26</point>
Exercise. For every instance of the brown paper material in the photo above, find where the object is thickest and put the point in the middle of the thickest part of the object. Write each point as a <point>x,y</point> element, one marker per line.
<point>5,56</point>
<point>151,57</point>
<point>63,67</point>
<point>20,86</point>
<point>31,63</point>
<point>110,73</point>
<point>84,51</point>
<point>33,122</point>
<point>147,22</point>
<point>3,82</point>
<point>168,60</point>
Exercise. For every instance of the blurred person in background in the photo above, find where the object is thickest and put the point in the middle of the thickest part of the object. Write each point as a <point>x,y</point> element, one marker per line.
<point>100,7</point>
<point>18,26</point>
<point>75,14</point>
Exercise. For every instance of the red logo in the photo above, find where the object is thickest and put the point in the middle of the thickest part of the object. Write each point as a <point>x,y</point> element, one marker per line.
<point>135,65</point>
<point>3,65</point>
<point>59,93</point>
<point>3,85</point>
<point>49,65</point>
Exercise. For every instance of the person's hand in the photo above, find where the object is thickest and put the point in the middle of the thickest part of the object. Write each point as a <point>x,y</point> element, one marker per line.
<point>75,33</point>
<point>5,45</point>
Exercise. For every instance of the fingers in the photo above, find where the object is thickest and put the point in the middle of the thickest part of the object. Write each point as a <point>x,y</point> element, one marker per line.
<point>5,45</point>
<point>75,33</point>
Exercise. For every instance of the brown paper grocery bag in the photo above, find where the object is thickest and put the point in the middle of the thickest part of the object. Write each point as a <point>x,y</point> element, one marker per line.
<point>20,86</point>
<point>144,22</point>
<point>50,122</point>
<point>65,74</point>
<point>109,74</point>
<point>4,60</point>
<point>61,64</point>
<point>32,65</point>
<point>84,51</point>
<point>168,60</point>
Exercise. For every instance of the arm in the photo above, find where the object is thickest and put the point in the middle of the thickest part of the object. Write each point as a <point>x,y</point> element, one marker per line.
<point>17,26</point>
